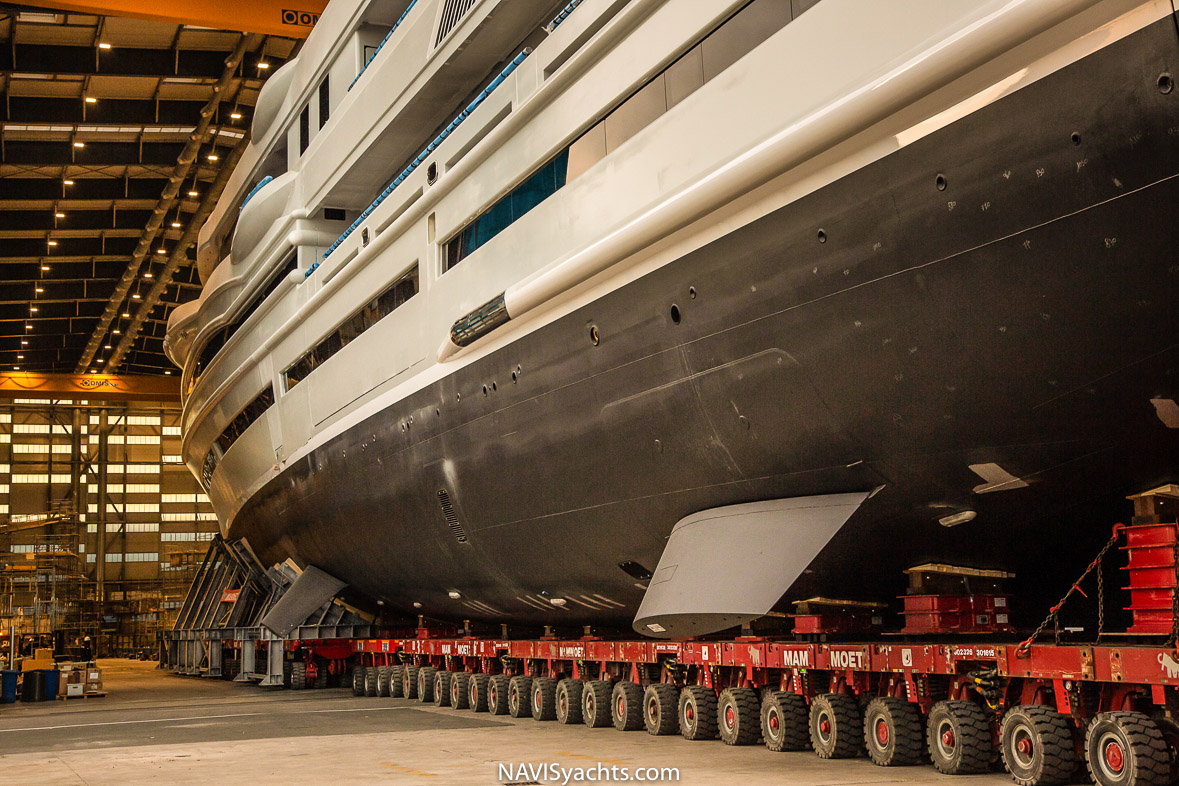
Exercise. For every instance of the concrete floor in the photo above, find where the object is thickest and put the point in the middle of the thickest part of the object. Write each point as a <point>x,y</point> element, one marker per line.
<point>154,727</point>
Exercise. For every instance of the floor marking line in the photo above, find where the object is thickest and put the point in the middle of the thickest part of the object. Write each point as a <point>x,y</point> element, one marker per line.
<point>127,722</point>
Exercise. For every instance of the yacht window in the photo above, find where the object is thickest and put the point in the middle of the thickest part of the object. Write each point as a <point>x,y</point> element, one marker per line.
<point>304,129</point>
<point>363,319</point>
<point>325,107</point>
<point>221,337</point>
<point>233,430</point>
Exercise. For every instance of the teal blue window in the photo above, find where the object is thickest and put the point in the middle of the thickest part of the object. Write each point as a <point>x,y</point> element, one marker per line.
<point>536,189</point>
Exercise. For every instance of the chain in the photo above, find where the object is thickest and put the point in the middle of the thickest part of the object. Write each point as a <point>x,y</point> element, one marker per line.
<point>1100,599</point>
<point>1025,647</point>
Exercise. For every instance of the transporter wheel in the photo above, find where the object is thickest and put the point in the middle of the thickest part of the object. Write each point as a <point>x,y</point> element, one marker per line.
<point>409,681</point>
<point>626,706</point>
<point>396,681</point>
<point>1037,745</point>
<point>836,726</point>
<point>477,692</point>
<point>358,680</point>
<point>371,680</point>
<point>892,732</point>
<point>1123,748</point>
<point>321,676</point>
<point>426,684</point>
<point>441,688</point>
<point>569,700</point>
<point>497,694</point>
<point>661,709</point>
<point>459,683</point>
<point>382,680</point>
<point>959,738</point>
<point>697,713</point>
<point>738,716</point>
<point>784,722</point>
<point>298,675</point>
<point>595,704</point>
<point>519,699</point>
<point>544,699</point>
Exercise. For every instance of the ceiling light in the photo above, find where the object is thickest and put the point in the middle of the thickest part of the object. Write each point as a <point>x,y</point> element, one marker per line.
<point>16,368</point>
<point>194,193</point>
<point>59,215</point>
<point>161,250</point>
<point>28,327</point>
<point>53,242</point>
<point>45,267</point>
<point>126,313</point>
<point>67,182</point>
<point>20,357</point>
<point>108,346</point>
<point>38,290</point>
<point>168,371</point>
<point>79,144</point>
<point>116,332</point>
<point>147,275</point>
<point>24,342</point>
<point>263,64</point>
<point>104,45</point>
<point>91,100</point>
<point>212,156</point>
<point>135,296</point>
<point>235,115</point>
<point>176,225</point>
<point>93,371</point>
<point>33,309</point>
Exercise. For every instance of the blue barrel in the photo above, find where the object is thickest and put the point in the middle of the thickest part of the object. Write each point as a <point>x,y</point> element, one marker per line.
<point>52,676</point>
<point>8,679</point>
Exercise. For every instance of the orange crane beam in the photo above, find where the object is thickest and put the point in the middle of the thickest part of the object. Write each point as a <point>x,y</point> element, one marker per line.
<point>92,387</point>
<point>290,18</point>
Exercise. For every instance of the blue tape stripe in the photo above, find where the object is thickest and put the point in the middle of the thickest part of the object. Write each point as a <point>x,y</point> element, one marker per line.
<point>255,190</point>
<point>561,17</point>
<point>381,45</point>
<point>422,156</point>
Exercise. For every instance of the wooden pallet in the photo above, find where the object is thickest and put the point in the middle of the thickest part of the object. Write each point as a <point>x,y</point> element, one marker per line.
<point>94,695</point>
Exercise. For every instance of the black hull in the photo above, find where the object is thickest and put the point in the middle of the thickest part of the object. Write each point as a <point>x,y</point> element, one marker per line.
<point>1025,315</point>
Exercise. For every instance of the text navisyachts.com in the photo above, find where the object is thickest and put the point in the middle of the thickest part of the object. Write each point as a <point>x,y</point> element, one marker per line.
<point>553,772</point>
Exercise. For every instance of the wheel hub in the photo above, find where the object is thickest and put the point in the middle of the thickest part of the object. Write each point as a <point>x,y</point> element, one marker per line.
<point>1024,746</point>
<point>773,722</point>
<point>948,738</point>
<point>882,732</point>
<point>689,713</point>
<point>730,717</point>
<point>825,726</point>
<point>1114,756</point>
<point>621,706</point>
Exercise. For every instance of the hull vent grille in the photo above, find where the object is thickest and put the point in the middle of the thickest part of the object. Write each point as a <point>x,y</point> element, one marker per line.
<point>452,12</point>
<point>452,521</point>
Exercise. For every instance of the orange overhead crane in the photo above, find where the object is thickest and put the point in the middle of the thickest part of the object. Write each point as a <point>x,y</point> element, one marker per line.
<point>290,18</point>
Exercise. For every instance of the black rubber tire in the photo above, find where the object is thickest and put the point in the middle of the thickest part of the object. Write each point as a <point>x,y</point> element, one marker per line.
<point>441,689</point>
<point>321,676</point>
<point>661,709</point>
<point>371,677</point>
<point>595,704</point>
<point>426,684</point>
<point>543,699</point>
<point>460,681</point>
<point>358,680</point>
<point>784,722</point>
<point>626,706</point>
<point>477,692</point>
<point>383,681</point>
<point>1052,757</point>
<point>836,726</point>
<point>520,696</point>
<point>298,675</point>
<point>497,694</point>
<point>409,681</point>
<point>893,732</point>
<point>1142,755</point>
<point>286,673</point>
<point>968,749</point>
<point>738,714</point>
<point>569,700</point>
<point>697,713</point>
<point>396,681</point>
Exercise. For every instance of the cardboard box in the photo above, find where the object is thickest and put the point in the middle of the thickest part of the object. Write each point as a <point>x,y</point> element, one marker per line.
<point>74,689</point>
<point>43,654</point>
<point>28,664</point>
